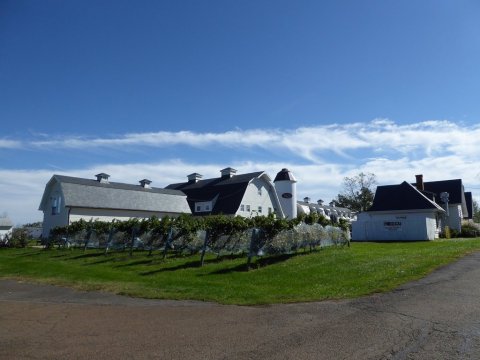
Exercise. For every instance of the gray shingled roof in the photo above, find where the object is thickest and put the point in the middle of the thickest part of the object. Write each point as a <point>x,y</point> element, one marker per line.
<point>89,193</point>
<point>5,222</point>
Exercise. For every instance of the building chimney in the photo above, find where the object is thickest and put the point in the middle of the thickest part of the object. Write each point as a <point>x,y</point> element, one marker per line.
<point>320,202</point>
<point>193,178</point>
<point>227,173</point>
<point>145,183</point>
<point>102,178</point>
<point>306,199</point>
<point>419,184</point>
<point>332,203</point>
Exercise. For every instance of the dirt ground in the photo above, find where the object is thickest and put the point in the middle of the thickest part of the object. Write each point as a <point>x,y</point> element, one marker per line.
<point>437,317</point>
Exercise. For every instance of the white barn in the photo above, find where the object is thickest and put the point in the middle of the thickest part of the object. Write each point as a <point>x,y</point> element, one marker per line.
<point>68,199</point>
<point>247,195</point>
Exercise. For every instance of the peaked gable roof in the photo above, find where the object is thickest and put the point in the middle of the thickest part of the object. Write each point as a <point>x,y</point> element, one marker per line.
<point>225,192</point>
<point>401,197</point>
<point>89,193</point>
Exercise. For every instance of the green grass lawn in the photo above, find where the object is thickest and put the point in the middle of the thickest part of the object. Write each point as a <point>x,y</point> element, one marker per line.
<point>330,273</point>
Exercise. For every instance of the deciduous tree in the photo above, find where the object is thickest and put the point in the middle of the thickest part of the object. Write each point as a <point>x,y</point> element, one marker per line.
<point>358,192</point>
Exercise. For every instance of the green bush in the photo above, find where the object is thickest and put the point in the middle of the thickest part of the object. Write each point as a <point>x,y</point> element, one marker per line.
<point>19,238</point>
<point>470,229</point>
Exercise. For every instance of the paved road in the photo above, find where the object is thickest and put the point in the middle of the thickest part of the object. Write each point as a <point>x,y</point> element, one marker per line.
<point>437,317</point>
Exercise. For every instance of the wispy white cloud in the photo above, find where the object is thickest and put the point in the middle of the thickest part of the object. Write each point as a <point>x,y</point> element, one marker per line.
<point>10,144</point>
<point>311,143</point>
<point>394,152</point>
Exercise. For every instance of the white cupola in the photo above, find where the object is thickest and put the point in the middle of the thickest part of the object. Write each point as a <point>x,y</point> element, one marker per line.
<point>102,178</point>
<point>227,173</point>
<point>145,183</point>
<point>193,178</point>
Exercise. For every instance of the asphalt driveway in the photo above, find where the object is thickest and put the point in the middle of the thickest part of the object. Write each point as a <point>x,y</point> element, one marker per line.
<point>437,317</point>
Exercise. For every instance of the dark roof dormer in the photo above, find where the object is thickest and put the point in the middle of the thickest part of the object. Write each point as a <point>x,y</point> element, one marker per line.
<point>145,183</point>
<point>102,178</point>
<point>193,178</point>
<point>228,173</point>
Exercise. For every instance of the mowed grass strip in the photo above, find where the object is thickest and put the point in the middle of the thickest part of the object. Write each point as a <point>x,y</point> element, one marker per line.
<point>330,273</point>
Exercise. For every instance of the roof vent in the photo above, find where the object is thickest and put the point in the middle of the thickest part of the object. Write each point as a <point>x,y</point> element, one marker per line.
<point>193,178</point>
<point>332,203</point>
<point>145,183</point>
<point>306,199</point>
<point>320,202</point>
<point>227,173</point>
<point>102,178</point>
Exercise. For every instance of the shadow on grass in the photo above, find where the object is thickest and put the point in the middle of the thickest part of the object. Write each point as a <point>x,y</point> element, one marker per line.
<point>87,256</point>
<point>140,262</point>
<point>29,254</point>
<point>256,264</point>
<point>187,265</point>
<point>192,264</point>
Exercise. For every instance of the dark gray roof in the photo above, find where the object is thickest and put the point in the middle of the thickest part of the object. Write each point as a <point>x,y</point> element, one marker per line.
<point>469,201</point>
<point>401,197</point>
<point>227,192</point>
<point>79,192</point>
<point>284,174</point>
<point>453,187</point>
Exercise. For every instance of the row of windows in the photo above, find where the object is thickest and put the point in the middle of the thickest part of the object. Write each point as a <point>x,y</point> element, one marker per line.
<point>259,210</point>
<point>205,207</point>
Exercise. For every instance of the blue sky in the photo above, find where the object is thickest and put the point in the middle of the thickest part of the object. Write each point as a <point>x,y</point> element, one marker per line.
<point>161,89</point>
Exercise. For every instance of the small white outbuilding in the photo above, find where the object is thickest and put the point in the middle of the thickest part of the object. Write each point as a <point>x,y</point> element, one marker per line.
<point>399,213</point>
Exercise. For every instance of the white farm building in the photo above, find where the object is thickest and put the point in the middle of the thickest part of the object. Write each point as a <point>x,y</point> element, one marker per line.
<point>407,212</point>
<point>68,199</point>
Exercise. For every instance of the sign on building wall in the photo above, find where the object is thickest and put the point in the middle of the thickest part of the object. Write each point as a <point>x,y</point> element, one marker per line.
<point>392,225</point>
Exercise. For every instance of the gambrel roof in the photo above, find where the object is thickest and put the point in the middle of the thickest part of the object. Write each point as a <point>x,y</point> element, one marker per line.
<point>225,192</point>
<point>89,193</point>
